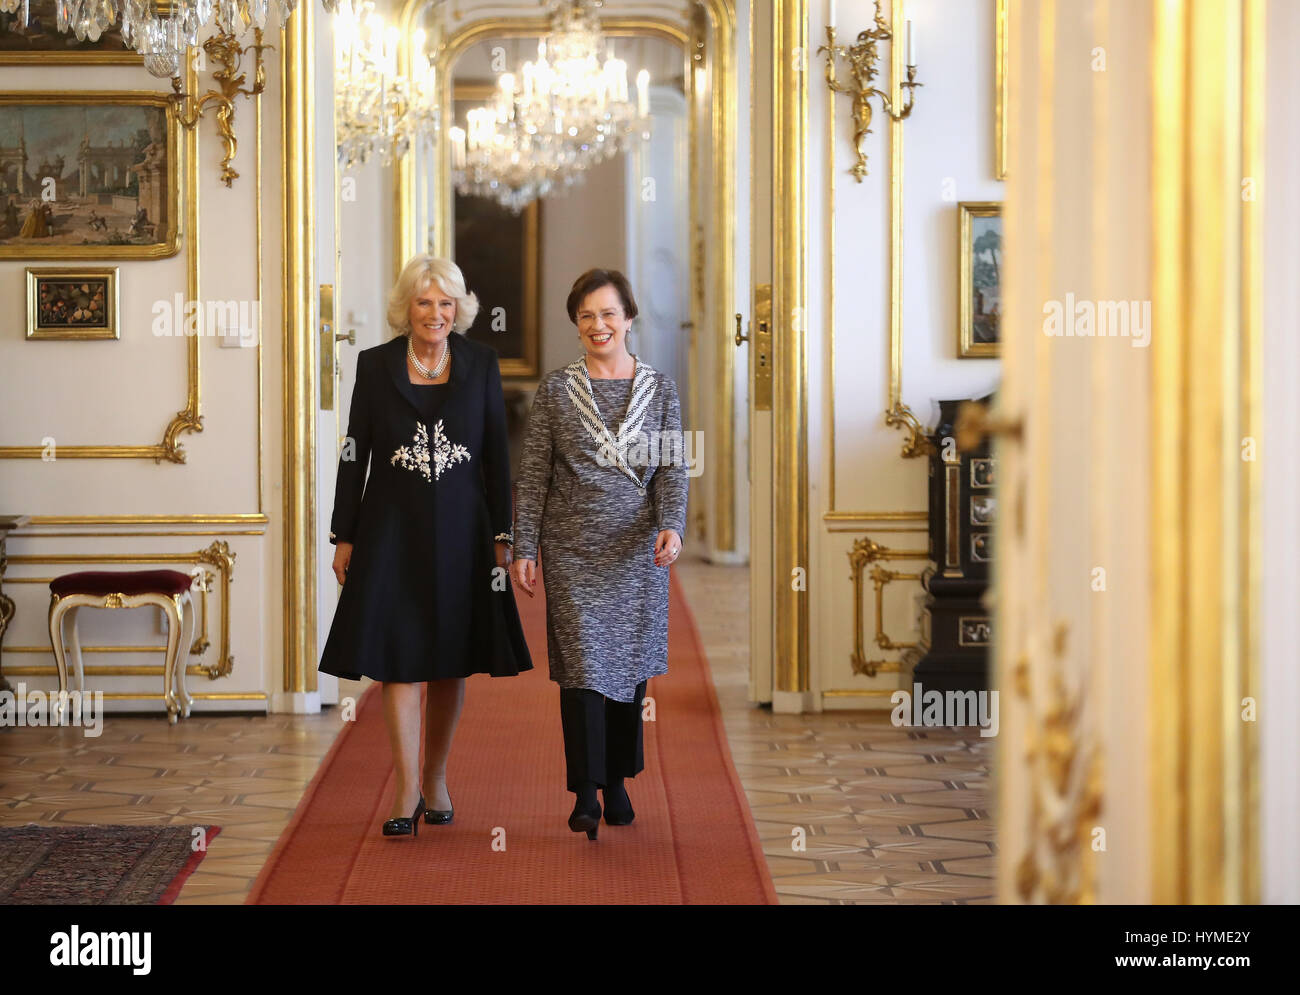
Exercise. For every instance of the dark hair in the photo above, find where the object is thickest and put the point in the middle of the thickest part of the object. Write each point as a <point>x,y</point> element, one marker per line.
<point>593,280</point>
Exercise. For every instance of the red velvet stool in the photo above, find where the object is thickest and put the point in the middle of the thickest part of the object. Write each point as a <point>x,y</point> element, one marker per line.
<point>168,589</point>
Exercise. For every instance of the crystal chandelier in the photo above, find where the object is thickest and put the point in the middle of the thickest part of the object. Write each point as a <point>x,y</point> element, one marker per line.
<point>562,115</point>
<point>376,111</point>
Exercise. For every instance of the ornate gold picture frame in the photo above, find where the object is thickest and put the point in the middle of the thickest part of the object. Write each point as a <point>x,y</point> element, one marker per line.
<point>72,303</point>
<point>980,279</point>
<point>89,175</point>
<point>41,42</point>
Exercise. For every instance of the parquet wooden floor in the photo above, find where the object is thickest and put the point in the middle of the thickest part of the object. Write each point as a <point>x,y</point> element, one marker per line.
<point>889,815</point>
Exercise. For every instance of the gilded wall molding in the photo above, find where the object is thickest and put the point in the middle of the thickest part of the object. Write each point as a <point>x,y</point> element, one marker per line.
<point>299,371</point>
<point>1250,538</point>
<point>790,344</point>
<point>1204,508</point>
<point>188,419</point>
<point>238,518</point>
<point>867,552</point>
<point>721,76</point>
<point>897,414</point>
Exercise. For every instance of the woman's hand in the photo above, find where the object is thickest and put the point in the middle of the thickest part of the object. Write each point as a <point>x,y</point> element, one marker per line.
<point>667,548</point>
<point>342,557</point>
<point>524,573</point>
<point>504,551</point>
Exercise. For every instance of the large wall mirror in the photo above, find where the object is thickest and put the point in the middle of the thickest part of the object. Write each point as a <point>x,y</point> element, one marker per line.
<point>660,211</point>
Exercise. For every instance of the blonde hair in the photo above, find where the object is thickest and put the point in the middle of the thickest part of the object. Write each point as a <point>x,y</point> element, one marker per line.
<point>422,271</point>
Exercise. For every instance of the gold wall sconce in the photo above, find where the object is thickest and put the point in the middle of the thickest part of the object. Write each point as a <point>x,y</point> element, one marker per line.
<point>862,58</point>
<point>226,52</point>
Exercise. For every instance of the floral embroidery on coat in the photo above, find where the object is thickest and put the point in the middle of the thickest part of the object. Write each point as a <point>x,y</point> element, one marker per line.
<point>445,453</point>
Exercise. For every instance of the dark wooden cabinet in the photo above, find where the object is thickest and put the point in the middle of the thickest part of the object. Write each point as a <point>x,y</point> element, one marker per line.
<point>956,628</point>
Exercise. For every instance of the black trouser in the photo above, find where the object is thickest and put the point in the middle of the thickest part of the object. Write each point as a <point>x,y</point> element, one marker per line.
<point>603,739</point>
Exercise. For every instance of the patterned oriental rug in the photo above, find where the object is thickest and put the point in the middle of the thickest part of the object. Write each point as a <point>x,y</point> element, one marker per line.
<point>97,865</point>
<point>693,841</point>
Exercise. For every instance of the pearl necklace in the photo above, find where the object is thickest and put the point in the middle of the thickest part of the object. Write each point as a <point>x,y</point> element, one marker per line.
<point>420,368</point>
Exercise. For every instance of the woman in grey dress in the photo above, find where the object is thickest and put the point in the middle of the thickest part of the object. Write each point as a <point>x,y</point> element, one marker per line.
<point>602,490</point>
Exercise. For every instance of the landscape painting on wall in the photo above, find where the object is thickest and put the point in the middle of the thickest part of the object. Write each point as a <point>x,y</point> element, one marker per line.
<point>88,176</point>
<point>40,41</point>
<point>980,279</point>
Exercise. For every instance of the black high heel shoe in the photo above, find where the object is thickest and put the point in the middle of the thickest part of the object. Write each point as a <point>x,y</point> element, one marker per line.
<point>585,820</point>
<point>403,826</point>
<point>438,816</point>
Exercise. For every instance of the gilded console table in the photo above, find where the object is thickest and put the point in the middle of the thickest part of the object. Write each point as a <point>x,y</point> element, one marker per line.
<point>7,524</point>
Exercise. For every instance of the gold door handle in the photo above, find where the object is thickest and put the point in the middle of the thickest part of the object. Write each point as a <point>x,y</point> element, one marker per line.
<point>350,338</point>
<point>740,339</point>
<point>975,422</point>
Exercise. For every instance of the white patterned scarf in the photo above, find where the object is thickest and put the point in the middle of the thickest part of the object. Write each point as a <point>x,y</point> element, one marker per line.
<point>612,448</point>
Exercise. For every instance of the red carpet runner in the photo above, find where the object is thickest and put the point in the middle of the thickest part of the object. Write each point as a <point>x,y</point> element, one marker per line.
<point>693,841</point>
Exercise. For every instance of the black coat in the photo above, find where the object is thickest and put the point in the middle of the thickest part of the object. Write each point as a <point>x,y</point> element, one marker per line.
<point>422,600</point>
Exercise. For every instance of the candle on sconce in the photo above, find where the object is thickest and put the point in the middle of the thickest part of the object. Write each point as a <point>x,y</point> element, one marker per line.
<point>457,136</point>
<point>830,14</point>
<point>643,94</point>
<point>390,50</point>
<point>620,68</point>
<point>507,97</point>
<point>911,45</point>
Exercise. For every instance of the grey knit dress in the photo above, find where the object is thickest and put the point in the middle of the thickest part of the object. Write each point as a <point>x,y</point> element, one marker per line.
<point>596,486</point>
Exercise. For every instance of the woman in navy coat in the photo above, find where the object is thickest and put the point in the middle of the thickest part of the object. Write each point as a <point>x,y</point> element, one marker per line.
<point>424,553</point>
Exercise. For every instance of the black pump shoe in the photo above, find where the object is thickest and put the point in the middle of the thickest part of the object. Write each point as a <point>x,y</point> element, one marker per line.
<point>438,816</point>
<point>618,811</point>
<point>404,826</point>
<point>585,820</point>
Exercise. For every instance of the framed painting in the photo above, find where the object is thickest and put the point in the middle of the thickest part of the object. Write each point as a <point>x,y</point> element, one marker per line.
<point>72,303</point>
<point>980,279</point>
<point>499,253</point>
<point>41,42</point>
<point>89,175</point>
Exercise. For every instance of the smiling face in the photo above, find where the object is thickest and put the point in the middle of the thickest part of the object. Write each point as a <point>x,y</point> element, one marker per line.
<point>602,325</point>
<point>431,314</point>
